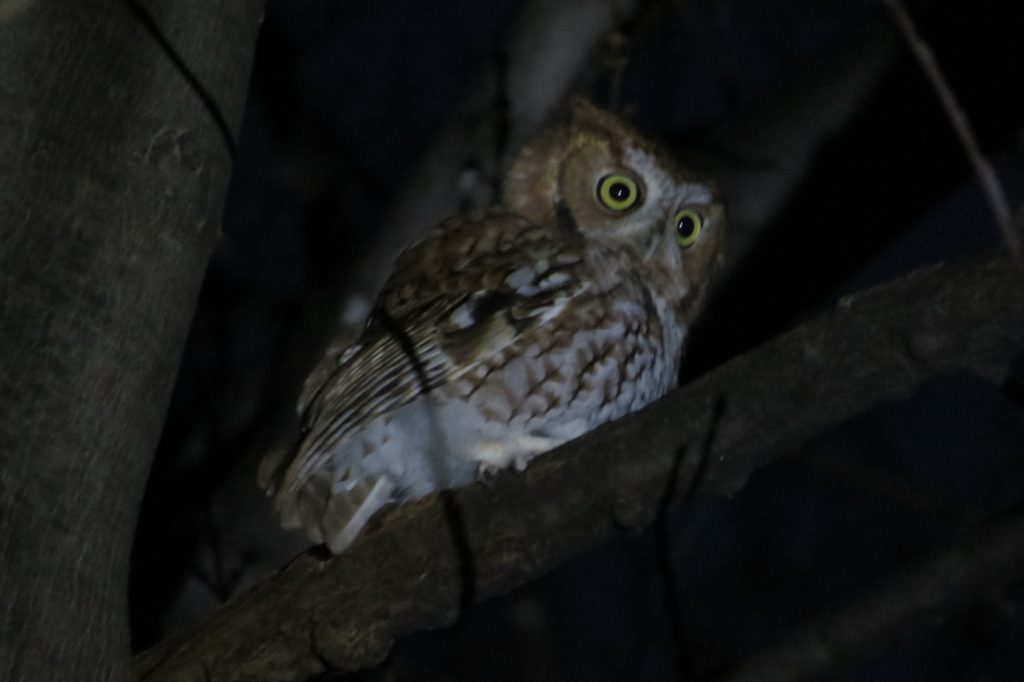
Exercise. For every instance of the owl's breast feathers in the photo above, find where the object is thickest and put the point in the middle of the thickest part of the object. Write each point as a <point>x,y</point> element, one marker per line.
<point>474,295</point>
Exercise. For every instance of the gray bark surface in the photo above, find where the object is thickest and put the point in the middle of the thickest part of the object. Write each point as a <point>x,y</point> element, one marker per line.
<point>112,177</point>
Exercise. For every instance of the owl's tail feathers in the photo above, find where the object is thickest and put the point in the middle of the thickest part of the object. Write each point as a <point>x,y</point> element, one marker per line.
<point>272,469</point>
<point>329,513</point>
<point>347,511</point>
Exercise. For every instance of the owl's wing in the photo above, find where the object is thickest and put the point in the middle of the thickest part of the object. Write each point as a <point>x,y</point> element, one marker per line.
<point>463,293</point>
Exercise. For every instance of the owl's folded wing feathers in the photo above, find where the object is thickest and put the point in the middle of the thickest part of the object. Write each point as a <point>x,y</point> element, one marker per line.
<point>454,299</point>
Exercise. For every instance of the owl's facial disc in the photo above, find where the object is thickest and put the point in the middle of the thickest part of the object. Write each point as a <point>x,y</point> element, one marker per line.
<point>621,188</point>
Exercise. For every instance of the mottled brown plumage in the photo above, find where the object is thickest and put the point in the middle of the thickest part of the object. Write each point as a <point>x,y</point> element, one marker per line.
<point>504,333</point>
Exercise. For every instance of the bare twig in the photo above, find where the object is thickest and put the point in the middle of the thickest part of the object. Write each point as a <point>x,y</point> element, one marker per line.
<point>403,574</point>
<point>673,602</point>
<point>982,166</point>
<point>663,534</point>
<point>1018,220</point>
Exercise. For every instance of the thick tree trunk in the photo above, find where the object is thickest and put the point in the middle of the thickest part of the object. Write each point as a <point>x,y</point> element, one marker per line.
<point>112,176</point>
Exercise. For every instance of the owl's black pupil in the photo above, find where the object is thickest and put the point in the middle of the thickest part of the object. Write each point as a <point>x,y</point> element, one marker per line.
<point>687,226</point>
<point>619,191</point>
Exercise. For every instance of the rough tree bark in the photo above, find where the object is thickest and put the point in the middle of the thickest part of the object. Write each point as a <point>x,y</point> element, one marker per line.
<point>112,176</point>
<point>407,571</point>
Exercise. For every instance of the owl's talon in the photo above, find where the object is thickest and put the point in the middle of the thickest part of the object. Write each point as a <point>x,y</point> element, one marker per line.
<point>487,470</point>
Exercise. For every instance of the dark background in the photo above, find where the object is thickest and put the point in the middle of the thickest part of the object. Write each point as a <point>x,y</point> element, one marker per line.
<point>841,171</point>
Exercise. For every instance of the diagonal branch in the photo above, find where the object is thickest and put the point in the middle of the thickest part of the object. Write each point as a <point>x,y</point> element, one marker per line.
<point>403,575</point>
<point>983,168</point>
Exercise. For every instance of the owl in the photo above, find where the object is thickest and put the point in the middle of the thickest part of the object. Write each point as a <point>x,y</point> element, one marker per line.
<point>504,333</point>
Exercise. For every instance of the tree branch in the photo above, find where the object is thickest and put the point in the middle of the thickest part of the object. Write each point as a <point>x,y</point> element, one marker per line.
<point>343,612</point>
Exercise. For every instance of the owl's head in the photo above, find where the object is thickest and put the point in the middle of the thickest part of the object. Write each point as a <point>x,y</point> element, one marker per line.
<point>598,175</point>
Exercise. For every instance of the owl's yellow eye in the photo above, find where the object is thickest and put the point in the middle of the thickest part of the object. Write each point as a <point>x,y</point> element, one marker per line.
<point>618,192</point>
<point>688,225</point>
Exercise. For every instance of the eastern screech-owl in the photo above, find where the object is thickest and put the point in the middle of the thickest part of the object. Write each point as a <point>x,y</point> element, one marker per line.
<point>502,334</point>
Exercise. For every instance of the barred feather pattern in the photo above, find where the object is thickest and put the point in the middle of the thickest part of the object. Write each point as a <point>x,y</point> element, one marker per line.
<point>534,339</point>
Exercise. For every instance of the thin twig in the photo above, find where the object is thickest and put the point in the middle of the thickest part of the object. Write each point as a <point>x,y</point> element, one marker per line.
<point>209,103</point>
<point>1017,225</point>
<point>453,515</point>
<point>663,549</point>
<point>663,535</point>
<point>982,166</point>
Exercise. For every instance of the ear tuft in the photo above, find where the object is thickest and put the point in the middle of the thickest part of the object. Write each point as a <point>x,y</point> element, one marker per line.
<point>584,112</point>
<point>586,116</point>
